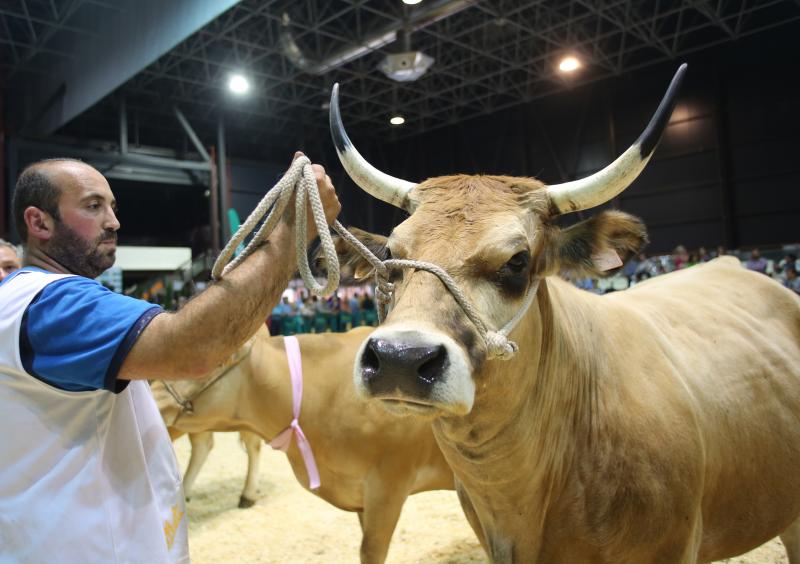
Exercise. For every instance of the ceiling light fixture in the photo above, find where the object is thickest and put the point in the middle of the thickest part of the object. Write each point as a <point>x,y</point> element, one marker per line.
<point>411,2</point>
<point>569,64</point>
<point>238,84</point>
<point>397,120</point>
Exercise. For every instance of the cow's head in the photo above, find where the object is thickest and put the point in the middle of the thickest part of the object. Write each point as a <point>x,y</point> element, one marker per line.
<point>495,236</point>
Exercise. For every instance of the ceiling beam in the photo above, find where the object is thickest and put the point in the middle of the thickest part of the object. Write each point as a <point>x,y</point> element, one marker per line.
<point>131,37</point>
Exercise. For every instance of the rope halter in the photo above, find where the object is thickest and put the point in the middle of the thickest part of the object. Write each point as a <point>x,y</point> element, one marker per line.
<point>498,344</point>
<point>299,180</point>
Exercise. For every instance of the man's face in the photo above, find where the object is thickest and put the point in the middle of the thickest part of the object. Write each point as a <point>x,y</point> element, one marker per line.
<point>9,262</point>
<point>85,237</point>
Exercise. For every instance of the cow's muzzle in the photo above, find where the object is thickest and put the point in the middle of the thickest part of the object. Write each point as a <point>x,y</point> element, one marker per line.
<point>391,368</point>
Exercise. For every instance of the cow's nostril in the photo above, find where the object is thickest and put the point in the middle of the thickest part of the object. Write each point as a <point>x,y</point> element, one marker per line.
<point>370,364</point>
<point>431,369</point>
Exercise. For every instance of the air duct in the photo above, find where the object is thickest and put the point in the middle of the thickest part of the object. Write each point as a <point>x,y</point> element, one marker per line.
<point>417,20</point>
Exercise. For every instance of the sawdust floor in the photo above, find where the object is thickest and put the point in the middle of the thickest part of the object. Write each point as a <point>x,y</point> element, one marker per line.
<point>289,525</point>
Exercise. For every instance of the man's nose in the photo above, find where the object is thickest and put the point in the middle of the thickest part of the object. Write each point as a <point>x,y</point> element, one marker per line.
<point>111,221</point>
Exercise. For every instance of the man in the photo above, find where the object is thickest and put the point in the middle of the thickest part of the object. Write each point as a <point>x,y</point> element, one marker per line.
<point>87,473</point>
<point>756,262</point>
<point>792,280</point>
<point>9,259</point>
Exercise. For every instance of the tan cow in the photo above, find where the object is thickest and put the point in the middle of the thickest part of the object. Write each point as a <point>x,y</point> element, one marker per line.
<point>367,463</point>
<point>655,425</point>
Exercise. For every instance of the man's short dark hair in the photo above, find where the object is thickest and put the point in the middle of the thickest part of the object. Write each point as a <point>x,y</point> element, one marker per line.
<point>35,188</point>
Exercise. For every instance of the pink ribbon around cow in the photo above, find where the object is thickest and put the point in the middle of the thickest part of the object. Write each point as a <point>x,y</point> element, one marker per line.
<point>284,439</point>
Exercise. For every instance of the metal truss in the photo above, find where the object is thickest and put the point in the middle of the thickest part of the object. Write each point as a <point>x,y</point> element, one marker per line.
<point>33,33</point>
<point>489,55</point>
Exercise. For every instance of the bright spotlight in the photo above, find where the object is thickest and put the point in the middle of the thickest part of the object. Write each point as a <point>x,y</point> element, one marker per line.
<point>411,2</point>
<point>238,84</point>
<point>569,64</point>
<point>397,120</point>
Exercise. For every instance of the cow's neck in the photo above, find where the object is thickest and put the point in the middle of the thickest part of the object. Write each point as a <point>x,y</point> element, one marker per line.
<point>513,452</point>
<point>268,378</point>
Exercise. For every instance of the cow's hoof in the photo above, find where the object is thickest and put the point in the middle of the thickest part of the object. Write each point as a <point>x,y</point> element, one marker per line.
<point>244,503</point>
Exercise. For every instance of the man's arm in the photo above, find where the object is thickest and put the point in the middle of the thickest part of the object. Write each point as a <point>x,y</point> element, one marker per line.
<point>208,329</point>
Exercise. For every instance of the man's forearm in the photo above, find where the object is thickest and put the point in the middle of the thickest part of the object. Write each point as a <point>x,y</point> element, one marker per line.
<point>213,325</point>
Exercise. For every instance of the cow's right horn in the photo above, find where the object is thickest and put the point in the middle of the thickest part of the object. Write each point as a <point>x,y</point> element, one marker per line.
<point>392,190</point>
<point>605,184</point>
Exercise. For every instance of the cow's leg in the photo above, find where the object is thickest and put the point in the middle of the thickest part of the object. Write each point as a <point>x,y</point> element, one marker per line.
<point>202,443</point>
<point>252,443</point>
<point>383,501</point>
<point>791,540</point>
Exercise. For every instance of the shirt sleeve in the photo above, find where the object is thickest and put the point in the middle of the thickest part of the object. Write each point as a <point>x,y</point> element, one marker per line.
<point>76,334</point>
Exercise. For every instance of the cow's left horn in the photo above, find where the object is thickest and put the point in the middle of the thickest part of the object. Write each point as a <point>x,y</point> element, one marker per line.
<point>384,187</point>
<point>607,183</point>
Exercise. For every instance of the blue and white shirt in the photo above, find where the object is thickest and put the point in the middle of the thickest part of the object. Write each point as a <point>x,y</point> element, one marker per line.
<point>88,358</point>
<point>87,471</point>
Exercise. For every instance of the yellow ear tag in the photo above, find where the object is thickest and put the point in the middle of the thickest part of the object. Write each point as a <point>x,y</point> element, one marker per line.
<point>606,260</point>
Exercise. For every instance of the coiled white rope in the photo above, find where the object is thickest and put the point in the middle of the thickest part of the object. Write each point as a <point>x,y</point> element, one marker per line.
<point>300,179</point>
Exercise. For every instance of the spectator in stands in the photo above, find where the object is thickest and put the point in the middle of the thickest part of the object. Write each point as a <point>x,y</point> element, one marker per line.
<point>345,318</point>
<point>788,260</point>
<point>321,314</point>
<point>792,280</point>
<point>630,268</point>
<point>756,262</point>
<point>721,252</point>
<point>307,314</point>
<point>87,470</point>
<point>275,320</point>
<point>333,313</point>
<point>679,257</point>
<point>703,255</point>
<point>355,309</point>
<point>9,259</point>
<point>647,267</point>
<point>368,311</point>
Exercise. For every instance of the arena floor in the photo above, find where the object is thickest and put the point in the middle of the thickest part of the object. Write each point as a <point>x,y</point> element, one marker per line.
<point>289,525</point>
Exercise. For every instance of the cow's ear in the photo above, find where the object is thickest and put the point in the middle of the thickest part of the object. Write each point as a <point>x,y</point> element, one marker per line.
<point>600,245</point>
<point>350,257</point>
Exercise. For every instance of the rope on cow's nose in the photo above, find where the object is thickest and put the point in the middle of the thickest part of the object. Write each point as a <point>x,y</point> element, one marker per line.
<point>498,344</point>
<point>298,180</point>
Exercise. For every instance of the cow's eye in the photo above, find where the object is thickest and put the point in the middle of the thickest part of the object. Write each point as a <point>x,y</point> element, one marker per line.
<point>519,262</point>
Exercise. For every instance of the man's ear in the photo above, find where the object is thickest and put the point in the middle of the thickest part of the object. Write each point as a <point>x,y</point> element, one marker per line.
<point>40,224</point>
<point>600,245</point>
<point>350,257</point>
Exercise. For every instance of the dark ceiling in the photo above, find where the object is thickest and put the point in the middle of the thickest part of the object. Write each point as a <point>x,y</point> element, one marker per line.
<point>488,55</point>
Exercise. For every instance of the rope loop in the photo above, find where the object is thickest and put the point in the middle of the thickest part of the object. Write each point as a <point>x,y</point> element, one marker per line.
<point>299,180</point>
<point>500,346</point>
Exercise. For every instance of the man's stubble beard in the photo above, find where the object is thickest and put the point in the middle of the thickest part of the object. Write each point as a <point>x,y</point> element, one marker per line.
<point>78,255</point>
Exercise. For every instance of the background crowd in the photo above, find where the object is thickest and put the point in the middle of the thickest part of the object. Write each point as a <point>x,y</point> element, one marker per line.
<point>310,314</point>
<point>781,265</point>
